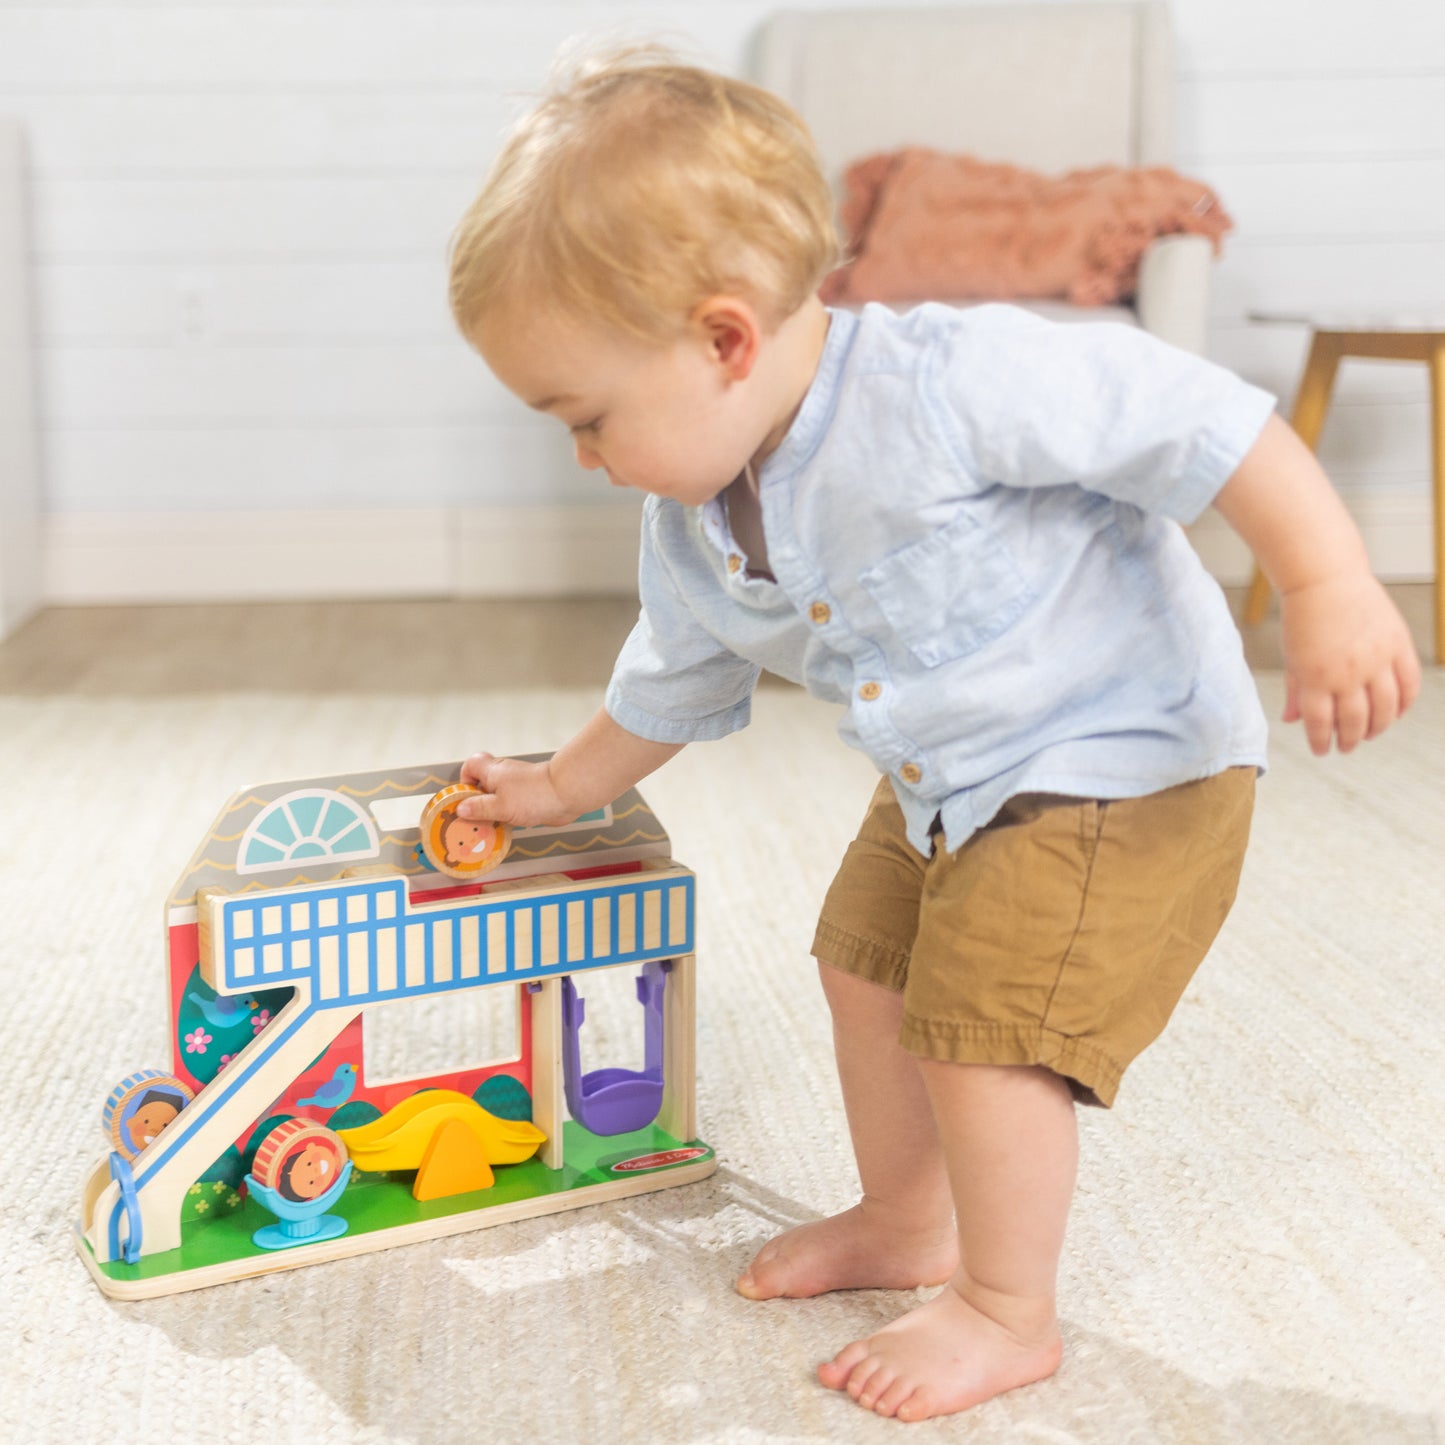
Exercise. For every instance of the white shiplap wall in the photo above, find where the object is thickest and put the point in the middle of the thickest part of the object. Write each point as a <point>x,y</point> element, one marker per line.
<point>1322,125</point>
<point>248,381</point>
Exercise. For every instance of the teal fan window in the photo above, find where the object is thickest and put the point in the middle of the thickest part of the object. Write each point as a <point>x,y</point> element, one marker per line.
<point>314,825</point>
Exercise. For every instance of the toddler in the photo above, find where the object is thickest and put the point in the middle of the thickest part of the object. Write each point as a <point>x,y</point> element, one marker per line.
<point>963,527</point>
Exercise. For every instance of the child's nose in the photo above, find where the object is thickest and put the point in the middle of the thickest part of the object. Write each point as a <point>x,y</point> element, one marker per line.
<point>586,457</point>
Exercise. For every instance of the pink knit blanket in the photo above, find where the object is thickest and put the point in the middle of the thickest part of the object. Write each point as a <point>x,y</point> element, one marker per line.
<point>922,225</point>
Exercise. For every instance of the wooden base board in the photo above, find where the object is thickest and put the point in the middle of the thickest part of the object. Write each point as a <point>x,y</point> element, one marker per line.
<point>571,1187</point>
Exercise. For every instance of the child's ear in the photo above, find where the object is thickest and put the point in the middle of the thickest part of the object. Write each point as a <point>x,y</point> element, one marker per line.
<point>732,333</point>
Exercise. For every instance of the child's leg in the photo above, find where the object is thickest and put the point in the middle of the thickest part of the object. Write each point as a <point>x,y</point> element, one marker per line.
<point>900,1234</point>
<point>1063,931</point>
<point>1009,1136</point>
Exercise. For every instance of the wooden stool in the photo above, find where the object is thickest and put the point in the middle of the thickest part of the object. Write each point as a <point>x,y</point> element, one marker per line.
<point>1383,340</point>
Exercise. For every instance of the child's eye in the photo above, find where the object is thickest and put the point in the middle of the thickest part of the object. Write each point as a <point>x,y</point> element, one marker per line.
<point>593,427</point>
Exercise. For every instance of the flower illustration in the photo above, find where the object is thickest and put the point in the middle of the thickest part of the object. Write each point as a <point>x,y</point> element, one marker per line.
<point>260,1019</point>
<point>196,1041</point>
<point>225,1059</point>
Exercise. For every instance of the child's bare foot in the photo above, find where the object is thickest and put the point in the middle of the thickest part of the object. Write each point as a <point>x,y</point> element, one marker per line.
<point>853,1250</point>
<point>942,1357</point>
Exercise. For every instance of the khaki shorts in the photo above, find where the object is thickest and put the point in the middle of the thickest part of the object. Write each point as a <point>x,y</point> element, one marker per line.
<point>1063,933</point>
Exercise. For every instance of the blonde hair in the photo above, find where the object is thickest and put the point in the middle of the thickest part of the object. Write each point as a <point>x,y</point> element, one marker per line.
<point>639,187</point>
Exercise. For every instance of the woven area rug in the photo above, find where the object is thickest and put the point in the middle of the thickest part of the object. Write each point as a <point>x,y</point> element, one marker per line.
<point>1255,1253</point>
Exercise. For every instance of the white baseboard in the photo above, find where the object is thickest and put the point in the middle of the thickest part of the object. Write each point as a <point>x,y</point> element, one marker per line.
<point>481,552</point>
<point>101,558</point>
<point>546,551</point>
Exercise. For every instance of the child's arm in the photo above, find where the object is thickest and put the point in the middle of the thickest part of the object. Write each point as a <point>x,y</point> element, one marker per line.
<point>597,765</point>
<point>1350,665</point>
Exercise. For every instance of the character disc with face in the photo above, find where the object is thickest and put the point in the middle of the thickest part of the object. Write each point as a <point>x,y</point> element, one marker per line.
<point>460,847</point>
<point>139,1107</point>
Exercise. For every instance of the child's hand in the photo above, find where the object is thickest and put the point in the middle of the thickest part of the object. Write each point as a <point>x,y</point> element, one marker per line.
<point>1350,664</point>
<point>512,792</point>
<point>595,766</point>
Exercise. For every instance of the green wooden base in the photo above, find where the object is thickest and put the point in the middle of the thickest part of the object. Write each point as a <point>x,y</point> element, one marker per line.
<point>381,1213</point>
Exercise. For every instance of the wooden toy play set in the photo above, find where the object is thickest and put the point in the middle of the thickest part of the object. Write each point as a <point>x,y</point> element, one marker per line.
<point>310,907</point>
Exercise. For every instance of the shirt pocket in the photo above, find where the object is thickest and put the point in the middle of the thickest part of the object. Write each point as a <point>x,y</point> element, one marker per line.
<point>951,592</point>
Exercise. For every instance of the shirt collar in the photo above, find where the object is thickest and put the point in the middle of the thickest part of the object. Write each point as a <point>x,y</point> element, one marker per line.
<point>816,412</point>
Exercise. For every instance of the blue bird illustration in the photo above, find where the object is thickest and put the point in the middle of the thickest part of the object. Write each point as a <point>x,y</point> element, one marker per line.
<point>225,1013</point>
<point>334,1092</point>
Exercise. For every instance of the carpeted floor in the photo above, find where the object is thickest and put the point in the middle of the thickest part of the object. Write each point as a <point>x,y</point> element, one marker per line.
<point>1256,1249</point>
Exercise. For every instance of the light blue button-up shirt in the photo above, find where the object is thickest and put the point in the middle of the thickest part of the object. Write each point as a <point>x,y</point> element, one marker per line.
<point>974,527</point>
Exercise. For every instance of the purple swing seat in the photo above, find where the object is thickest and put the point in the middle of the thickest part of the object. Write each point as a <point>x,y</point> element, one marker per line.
<point>615,1101</point>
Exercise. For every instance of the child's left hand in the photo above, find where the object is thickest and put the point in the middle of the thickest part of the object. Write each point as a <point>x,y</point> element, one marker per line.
<point>1350,664</point>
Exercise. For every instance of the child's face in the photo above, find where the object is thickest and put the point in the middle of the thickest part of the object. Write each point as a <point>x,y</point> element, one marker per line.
<point>679,418</point>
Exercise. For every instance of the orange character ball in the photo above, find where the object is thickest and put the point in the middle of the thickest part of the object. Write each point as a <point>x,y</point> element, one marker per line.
<point>460,847</point>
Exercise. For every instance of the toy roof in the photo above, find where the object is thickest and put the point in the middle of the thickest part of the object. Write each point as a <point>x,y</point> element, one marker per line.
<point>276,835</point>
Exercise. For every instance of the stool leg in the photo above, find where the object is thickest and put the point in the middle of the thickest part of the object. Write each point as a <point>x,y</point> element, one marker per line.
<point>1311,405</point>
<point>1437,448</point>
<point>1256,601</point>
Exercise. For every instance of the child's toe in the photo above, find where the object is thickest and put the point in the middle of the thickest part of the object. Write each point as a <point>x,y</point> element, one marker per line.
<point>916,1405</point>
<point>893,1397</point>
<point>763,1278</point>
<point>864,1379</point>
<point>876,1389</point>
<point>835,1373</point>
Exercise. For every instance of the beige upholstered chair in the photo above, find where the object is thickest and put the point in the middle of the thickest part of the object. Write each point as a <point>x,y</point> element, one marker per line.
<point>1051,86</point>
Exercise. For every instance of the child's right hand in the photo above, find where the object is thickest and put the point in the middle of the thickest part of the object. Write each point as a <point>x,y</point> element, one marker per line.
<point>1350,666</point>
<point>512,791</point>
<point>595,766</point>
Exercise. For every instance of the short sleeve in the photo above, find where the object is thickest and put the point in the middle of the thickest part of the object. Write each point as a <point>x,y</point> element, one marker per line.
<point>1032,403</point>
<point>673,681</point>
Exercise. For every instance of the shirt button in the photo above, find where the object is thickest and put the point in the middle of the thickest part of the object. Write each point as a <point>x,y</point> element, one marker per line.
<point>820,612</point>
<point>869,691</point>
<point>734,562</point>
<point>910,772</point>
